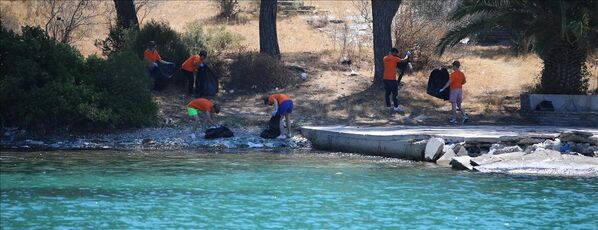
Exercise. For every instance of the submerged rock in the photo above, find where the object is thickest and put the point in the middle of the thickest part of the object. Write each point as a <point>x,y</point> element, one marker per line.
<point>461,163</point>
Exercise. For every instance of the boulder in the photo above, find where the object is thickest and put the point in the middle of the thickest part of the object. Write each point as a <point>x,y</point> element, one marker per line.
<point>578,137</point>
<point>460,150</point>
<point>445,159</point>
<point>461,163</point>
<point>433,149</point>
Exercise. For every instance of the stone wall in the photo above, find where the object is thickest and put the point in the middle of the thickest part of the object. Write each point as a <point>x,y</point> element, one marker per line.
<point>589,119</point>
<point>561,103</point>
<point>569,110</point>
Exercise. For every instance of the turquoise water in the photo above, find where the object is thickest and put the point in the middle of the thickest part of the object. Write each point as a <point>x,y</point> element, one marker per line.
<point>153,190</point>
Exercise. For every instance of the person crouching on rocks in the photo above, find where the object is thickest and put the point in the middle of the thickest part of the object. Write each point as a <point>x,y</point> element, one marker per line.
<point>205,109</point>
<point>283,106</point>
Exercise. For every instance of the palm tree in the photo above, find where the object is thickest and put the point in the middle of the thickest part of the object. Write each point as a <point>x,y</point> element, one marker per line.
<point>562,32</point>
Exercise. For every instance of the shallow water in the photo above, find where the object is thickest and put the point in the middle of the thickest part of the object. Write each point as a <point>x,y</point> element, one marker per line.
<point>251,190</point>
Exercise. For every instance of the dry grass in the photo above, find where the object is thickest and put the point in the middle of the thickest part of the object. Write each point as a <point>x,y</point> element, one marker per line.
<point>495,78</point>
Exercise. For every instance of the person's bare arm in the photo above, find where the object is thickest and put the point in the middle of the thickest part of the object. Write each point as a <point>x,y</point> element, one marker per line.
<point>464,81</point>
<point>446,85</point>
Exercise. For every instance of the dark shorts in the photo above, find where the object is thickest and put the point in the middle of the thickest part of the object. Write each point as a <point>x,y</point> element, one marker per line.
<point>286,107</point>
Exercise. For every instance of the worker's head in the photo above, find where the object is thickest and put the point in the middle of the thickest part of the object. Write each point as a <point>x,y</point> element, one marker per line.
<point>216,108</point>
<point>265,100</point>
<point>203,54</point>
<point>394,51</point>
<point>456,65</point>
<point>151,45</point>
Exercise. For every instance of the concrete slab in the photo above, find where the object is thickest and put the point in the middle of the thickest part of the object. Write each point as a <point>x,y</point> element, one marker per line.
<point>398,141</point>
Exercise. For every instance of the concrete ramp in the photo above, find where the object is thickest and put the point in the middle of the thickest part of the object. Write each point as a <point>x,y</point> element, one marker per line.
<point>408,142</point>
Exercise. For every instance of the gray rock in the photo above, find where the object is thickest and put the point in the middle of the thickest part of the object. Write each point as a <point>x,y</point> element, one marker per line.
<point>544,162</point>
<point>461,163</point>
<point>507,149</point>
<point>460,150</point>
<point>488,159</point>
<point>433,149</point>
<point>578,137</point>
<point>445,159</point>
<point>530,141</point>
<point>494,147</point>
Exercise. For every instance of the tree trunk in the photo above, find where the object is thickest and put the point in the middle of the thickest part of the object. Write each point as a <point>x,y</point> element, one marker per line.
<point>268,37</point>
<point>383,11</point>
<point>565,71</point>
<point>126,15</point>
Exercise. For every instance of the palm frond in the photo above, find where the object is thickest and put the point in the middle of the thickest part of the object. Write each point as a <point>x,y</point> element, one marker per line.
<point>453,36</point>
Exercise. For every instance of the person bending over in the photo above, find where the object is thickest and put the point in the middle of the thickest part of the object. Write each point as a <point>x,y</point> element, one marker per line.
<point>202,111</point>
<point>283,106</point>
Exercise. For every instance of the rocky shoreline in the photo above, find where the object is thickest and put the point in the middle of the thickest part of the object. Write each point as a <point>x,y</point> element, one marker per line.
<point>147,138</point>
<point>570,154</point>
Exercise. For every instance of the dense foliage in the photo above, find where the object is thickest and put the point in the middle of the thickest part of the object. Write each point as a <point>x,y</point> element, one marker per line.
<point>48,85</point>
<point>168,42</point>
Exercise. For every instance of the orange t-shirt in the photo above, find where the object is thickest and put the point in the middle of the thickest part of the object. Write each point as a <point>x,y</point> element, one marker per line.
<point>279,97</point>
<point>390,67</point>
<point>202,104</point>
<point>457,79</point>
<point>191,63</point>
<point>152,56</point>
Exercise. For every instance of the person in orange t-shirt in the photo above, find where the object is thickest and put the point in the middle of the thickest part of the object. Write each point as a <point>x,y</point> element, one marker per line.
<point>152,57</point>
<point>204,108</point>
<point>189,70</point>
<point>283,106</point>
<point>456,82</point>
<point>391,86</point>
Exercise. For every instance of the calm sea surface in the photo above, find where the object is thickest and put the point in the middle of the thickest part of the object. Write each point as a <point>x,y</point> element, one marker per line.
<point>264,190</point>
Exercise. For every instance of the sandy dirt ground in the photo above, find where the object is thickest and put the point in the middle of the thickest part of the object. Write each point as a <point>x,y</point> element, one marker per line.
<point>330,95</point>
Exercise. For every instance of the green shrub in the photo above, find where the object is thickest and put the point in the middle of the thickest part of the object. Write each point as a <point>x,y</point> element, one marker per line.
<point>48,85</point>
<point>38,80</point>
<point>123,98</point>
<point>216,40</point>
<point>257,72</point>
<point>168,42</point>
<point>221,41</point>
<point>194,36</point>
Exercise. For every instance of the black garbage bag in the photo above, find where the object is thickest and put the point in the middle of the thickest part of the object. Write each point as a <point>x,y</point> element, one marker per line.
<point>273,129</point>
<point>219,132</point>
<point>161,74</point>
<point>208,82</point>
<point>437,80</point>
